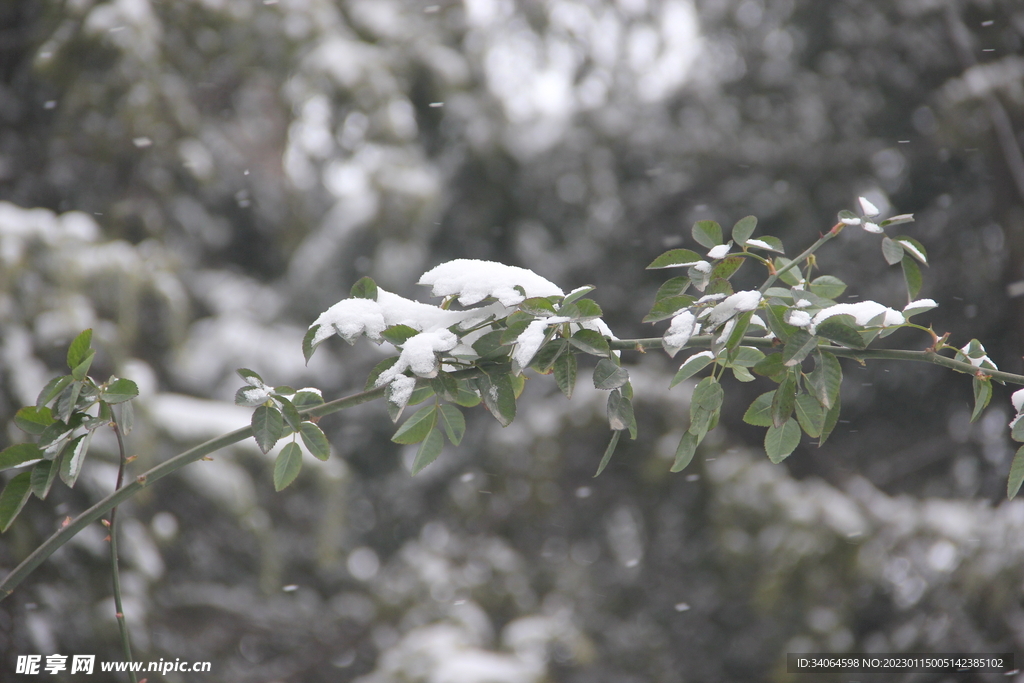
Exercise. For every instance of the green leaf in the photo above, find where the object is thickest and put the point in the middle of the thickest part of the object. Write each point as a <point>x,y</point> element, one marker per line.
<point>364,288</point>
<point>399,334</point>
<point>759,413</point>
<point>467,396</point>
<point>746,356</point>
<point>538,306</point>
<point>307,399</point>
<point>577,293</point>
<point>315,441</point>
<point>664,309</point>
<point>800,344</point>
<point>289,412</point>
<point>511,334</point>
<point>66,402</point>
<point>79,349</point>
<point>590,341</point>
<point>428,451</point>
<point>33,420</point>
<point>43,474</point>
<point>982,395</point>
<point>892,251</point>
<point>784,400</point>
<point>691,366</point>
<point>827,286</point>
<point>13,498</point>
<point>831,420</point>
<point>287,466</point>
<point>673,287</point>
<point>810,414</point>
<point>582,310</point>
<point>773,316</point>
<point>913,247</point>
<point>743,229</point>
<point>421,393</point>
<point>780,442</point>
<point>267,427</point>
<point>608,452</point>
<point>307,342</point>
<point>249,376</point>
<point>718,285</point>
<point>773,244</point>
<point>1016,474</point>
<point>684,452</point>
<point>19,454</point>
<point>707,233</point>
<point>489,347</point>
<point>378,369</point>
<point>72,459</point>
<point>454,423</point>
<point>912,275</point>
<point>445,386</point>
<point>675,258</point>
<point>897,220</point>
<point>705,405</point>
<point>53,389</point>
<point>826,379</point>
<point>609,375</point>
<point>545,358</point>
<point>565,373</point>
<point>126,419</point>
<point>416,428</point>
<point>738,331</point>
<point>620,412</point>
<point>727,267</point>
<point>81,370</point>
<point>119,391</point>
<point>838,331</point>
<point>499,397</point>
<point>771,366</point>
<point>792,276</point>
<point>1017,431</point>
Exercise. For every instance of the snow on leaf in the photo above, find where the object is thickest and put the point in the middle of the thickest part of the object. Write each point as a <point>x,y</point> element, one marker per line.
<point>863,312</point>
<point>529,342</point>
<point>845,221</point>
<point>719,251</point>
<point>740,302</point>
<point>867,207</point>
<point>912,248</point>
<point>679,332</point>
<point>872,227</point>
<point>1018,400</point>
<point>799,319</point>
<point>472,281</point>
<point>919,306</point>
<point>419,354</point>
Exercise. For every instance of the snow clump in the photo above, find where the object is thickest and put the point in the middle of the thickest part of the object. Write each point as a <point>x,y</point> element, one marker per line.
<point>863,313</point>
<point>472,281</point>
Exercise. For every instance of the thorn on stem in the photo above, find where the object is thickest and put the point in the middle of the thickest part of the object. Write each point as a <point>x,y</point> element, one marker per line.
<point>141,479</point>
<point>131,458</point>
<point>105,522</point>
<point>67,520</point>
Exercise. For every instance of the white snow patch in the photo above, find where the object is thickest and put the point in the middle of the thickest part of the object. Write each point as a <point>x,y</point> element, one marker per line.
<point>739,302</point>
<point>1018,400</point>
<point>872,227</point>
<point>419,355</point>
<point>802,303</point>
<point>799,318</point>
<point>472,281</point>
<point>913,250</point>
<point>529,342</point>
<point>350,318</point>
<point>702,266</point>
<point>977,362</point>
<point>868,208</point>
<point>919,306</point>
<point>719,251</point>
<point>402,387</point>
<point>711,297</point>
<point>863,312</point>
<point>759,244</point>
<point>844,221</point>
<point>679,332</point>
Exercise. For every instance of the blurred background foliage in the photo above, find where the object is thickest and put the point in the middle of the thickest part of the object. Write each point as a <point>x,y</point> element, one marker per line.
<point>197,180</point>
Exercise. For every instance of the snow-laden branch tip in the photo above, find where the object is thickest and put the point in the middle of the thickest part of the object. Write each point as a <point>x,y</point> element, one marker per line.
<point>471,281</point>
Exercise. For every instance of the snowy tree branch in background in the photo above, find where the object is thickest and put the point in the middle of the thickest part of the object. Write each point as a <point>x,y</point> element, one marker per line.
<point>496,321</point>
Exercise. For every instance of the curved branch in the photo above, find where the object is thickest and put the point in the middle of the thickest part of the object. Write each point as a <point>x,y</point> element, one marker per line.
<point>67,532</point>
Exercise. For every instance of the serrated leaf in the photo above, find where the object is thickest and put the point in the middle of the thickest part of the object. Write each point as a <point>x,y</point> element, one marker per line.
<point>416,428</point>
<point>307,342</point>
<point>838,331</point>
<point>467,396</point>
<point>705,406</point>
<point>771,243</point>
<point>590,341</point>
<point>81,370</point>
<point>892,251</point>
<point>565,373</point>
<point>784,400</point>
<point>1016,474</point>
<point>673,287</point>
<point>759,413</point>
<point>126,418</point>
<point>489,347</point>
<point>810,414</point>
<point>511,334</point>
<point>675,258</point>
<point>53,389</point>
<point>827,286</point>
<point>250,376</point>
<point>73,457</point>
<point>609,375</point>
<point>119,391</point>
<point>399,334</point>
<point>287,465</point>
<point>913,248</point>
<point>719,286</point>
<point>19,454</point>
<point>691,366</point>
<point>826,379</point>
<point>267,427</point>
<point>800,344</point>
<point>307,399</point>
<point>581,310</point>
<point>79,349</point>
<point>1017,431</point>
<point>780,442</point>
<point>453,422</point>
<point>428,451</point>
<point>743,229</point>
<point>364,288</point>
<point>378,369</point>
<point>912,276</point>
<point>738,331</point>
<point>684,452</point>
<point>707,233</point>
<point>43,474</point>
<point>538,306</point>
<point>315,441</point>
<point>699,278</point>
<point>13,499</point>
<point>727,267</point>
<point>608,452</point>
<point>831,420</point>
<point>773,316</point>
<point>421,393</point>
<point>620,412</point>
<point>746,356</point>
<point>667,307</point>
<point>445,386</point>
<point>770,366</point>
<point>33,420</point>
<point>548,354</point>
<point>792,276</point>
<point>982,395</point>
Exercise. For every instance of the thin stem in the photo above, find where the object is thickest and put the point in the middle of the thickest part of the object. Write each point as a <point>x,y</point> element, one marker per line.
<point>66,533</point>
<point>802,257</point>
<point>119,610</point>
